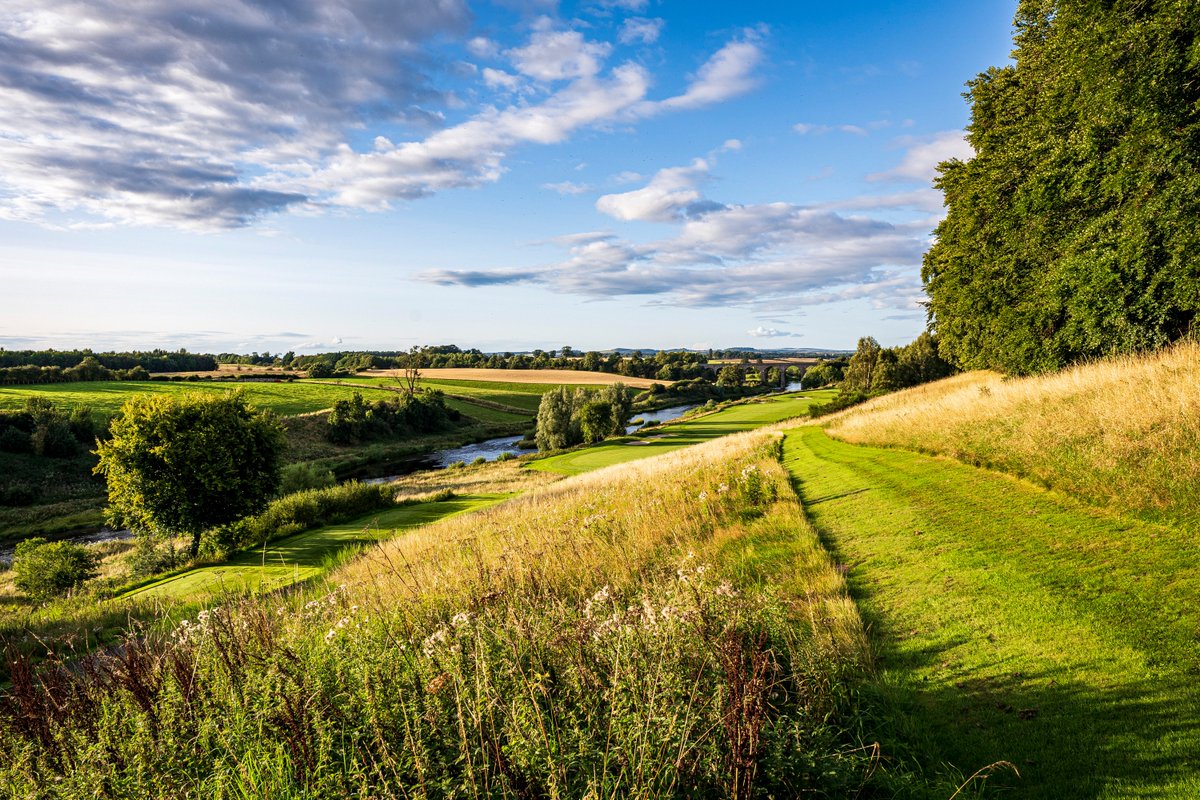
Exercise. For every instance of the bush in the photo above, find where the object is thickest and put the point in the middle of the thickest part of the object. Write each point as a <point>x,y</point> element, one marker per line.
<point>15,440</point>
<point>298,477</point>
<point>49,569</point>
<point>301,511</point>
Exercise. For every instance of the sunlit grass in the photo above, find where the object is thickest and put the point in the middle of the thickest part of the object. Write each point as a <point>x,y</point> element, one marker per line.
<point>665,629</point>
<point>1013,623</point>
<point>1123,433</point>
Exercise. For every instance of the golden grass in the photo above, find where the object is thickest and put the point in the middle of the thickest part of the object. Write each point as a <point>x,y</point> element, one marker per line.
<point>494,477</point>
<point>619,526</point>
<point>541,376</point>
<point>1122,432</point>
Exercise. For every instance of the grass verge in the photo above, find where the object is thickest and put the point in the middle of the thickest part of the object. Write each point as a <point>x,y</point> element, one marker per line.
<point>1013,623</point>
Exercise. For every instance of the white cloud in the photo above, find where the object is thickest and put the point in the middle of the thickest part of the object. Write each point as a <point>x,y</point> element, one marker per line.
<point>567,187</point>
<point>499,79</point>
<point>482,47</point>
<point>731,145</point>
<point>559,55</point>
<point>805,128</point>
<point>670,193</point>
<point>628,176</point>
<point>625,5</point>
<point>855,130</point>
<point>720,255</point>
<point>170,112</point>
<point>728,73</point>
<point>640,29</point>
<point>924,154</point>
<point>769,333</point>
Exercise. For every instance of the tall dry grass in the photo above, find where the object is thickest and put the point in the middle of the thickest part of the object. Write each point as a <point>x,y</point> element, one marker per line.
<point>1120,432</point>
<point>671,628</point>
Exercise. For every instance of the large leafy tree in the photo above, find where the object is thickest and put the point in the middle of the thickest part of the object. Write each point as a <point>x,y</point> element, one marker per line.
<point>1074,232</point>
<point>184,464</point>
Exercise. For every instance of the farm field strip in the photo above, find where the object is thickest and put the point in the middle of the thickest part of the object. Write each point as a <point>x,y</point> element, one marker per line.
<point>1013,623</point>
<point>107,397</point>
<point>555,377</point>
<point>683,434</point>
<point>304,555</point>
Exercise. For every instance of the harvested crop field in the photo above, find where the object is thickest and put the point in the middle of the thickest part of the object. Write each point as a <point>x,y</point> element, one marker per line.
<point>554,376</point>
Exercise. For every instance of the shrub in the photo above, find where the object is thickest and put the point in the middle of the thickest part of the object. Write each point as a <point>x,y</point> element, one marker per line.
<point>15,440</point>
<point>49,569</point>
<point>301,511</point>
<point>298,477</point>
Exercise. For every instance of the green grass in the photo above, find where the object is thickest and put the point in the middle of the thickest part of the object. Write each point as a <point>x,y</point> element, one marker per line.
<point>486,414</point>
<point>304,555</point>
<point>107,397</point>
<point>987,597</point>
<point>525,396</point>
<point>736,418</point>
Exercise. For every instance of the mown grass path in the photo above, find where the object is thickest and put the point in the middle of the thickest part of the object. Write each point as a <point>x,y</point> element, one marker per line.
<point>1013,623</point>
<point>305,555</point>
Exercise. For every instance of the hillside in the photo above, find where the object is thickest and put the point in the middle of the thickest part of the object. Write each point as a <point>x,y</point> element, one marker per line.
<point>1122,433</point>
<point>567,643</point>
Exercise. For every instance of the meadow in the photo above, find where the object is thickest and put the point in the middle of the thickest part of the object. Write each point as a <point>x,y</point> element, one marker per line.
<point>1122,433</point>
<point>566,643</point>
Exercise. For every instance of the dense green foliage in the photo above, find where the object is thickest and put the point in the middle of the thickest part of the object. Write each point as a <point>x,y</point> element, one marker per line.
<point>47,430</point>
<point>356,420</point>
<point>569,417</point>
<point>1073,231</point>
<point>63,366</point>
<point>874,370</point>
<point>185,464</point>
<point>47,569</point>
<point>304,510</point>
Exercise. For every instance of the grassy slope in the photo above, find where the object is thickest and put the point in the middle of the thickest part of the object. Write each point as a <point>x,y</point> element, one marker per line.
<point>1122,433</point>
<point>987,596</point>
<point>304,555</point>
<point>737,418</point>
<point>466,659</point>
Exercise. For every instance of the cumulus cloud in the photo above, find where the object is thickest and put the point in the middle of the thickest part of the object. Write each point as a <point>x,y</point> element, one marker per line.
<point>640,29</point>
<point>924,154</point>
<point>671,193</point>
<point>769,333</point>
<point>148,112</point>
<point>762,256</point>
<point>499,79</point>
<point>213,115</point>
<point>559,55</point>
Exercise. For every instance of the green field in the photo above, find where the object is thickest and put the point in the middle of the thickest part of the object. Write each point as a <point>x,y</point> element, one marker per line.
<point>737,418</point>
<point>525,396</point>
<point>1015,624</point>
<point>304,555</point>
<point>107,397</point>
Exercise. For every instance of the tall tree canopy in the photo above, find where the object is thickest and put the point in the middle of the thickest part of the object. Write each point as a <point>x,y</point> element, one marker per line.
<point>181,464</point>
<point>1074,232</point>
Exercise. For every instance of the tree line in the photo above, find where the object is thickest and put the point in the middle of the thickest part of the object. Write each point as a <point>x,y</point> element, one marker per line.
<point>1074,231</point>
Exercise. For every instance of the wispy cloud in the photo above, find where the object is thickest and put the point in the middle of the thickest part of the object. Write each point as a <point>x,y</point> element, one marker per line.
<point>568,187</point>
<point>173,112</point>
<point>640,29</point>
<point>761,256</point>
<point>923,154</point>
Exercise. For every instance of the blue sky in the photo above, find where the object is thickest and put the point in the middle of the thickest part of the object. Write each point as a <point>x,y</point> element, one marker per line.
<point>371,174</point>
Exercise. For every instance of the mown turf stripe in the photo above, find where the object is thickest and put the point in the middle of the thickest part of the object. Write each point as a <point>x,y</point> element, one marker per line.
<point>988,597</point>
